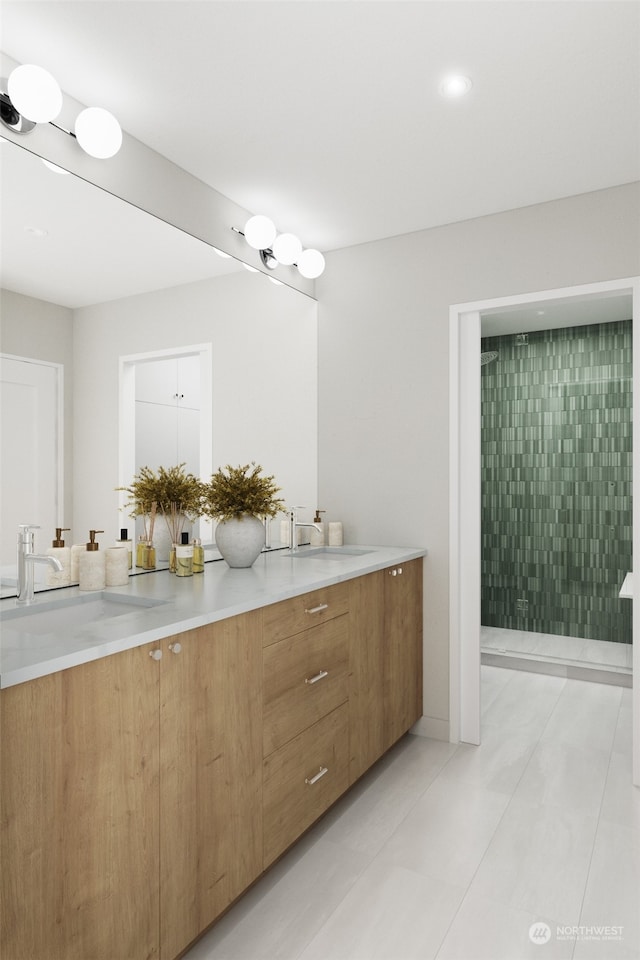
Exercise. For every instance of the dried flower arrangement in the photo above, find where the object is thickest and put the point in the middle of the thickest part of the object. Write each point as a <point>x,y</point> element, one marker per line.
<point>241,491</point>
<point>177,494</point>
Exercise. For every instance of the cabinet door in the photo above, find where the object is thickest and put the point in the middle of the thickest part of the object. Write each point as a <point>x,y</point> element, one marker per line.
<point>366,676</point>
<point>402,649</point>
<point>211,767</point>
<point>80,813</point>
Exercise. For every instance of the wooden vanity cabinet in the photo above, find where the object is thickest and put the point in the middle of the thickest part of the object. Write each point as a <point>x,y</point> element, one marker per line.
<point>402,649</point>
<point>385,689</point>
<point>305,715</point>
<point>210,774</point>
<point>79,813</point>
<point>142,793</point>
<point>132,797</point>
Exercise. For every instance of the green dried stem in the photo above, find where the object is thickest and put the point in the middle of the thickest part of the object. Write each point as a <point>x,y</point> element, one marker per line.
<point>241,491</point>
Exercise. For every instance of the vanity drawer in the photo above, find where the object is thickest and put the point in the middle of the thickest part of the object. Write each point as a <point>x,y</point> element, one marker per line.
<point>285,619</point>
<point>304,678</point>
<point>303,779</point>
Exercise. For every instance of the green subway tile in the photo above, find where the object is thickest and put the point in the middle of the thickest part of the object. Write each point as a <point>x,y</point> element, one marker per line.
<point>556,481</point>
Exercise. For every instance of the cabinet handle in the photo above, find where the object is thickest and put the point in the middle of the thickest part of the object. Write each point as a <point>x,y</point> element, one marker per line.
<point>319,775</point>
<point>175,647</point>
<point>319,608</point>
<point>396,572</point>
<point>155,654</point>
<point>318,676</point>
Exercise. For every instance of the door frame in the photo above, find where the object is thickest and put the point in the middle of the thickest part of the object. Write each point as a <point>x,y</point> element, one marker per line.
<point>464,500</point>
<point>127,416</point>
<point>59,443</point>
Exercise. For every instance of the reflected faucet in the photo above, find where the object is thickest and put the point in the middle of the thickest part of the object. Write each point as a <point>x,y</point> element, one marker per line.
<point>26,559</point>
<point>294,523</point>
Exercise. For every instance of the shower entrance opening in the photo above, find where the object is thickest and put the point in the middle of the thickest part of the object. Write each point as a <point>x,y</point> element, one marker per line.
<point>556,476</point>
<point>466,346</point>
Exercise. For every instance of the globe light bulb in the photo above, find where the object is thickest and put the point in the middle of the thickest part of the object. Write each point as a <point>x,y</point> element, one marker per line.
<point>311,264</point>
<point>259,232</point>
<point>34,93</point>
<point>98,132</point>
<point>287,248</point>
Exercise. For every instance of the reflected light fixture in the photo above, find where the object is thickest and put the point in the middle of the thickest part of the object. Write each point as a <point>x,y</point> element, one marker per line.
<point>285,248</point>
<point>33,96</point>
<point>54,167</point>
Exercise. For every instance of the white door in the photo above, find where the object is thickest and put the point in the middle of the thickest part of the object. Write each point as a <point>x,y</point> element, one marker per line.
<point>30,469</point>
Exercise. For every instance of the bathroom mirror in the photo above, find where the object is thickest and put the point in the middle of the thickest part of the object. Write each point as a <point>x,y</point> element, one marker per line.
<point>88,280</point>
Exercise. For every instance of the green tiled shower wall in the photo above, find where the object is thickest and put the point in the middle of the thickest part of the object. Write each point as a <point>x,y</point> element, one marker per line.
<point>556,481</point>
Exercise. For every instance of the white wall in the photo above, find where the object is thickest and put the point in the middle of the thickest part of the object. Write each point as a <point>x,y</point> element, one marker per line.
<point>264,406</point>
<point>383,368</point>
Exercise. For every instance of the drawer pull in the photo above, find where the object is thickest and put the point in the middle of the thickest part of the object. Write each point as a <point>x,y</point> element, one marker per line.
<point>319,608</point>
<point>319,775</point>
<point>318,676</point>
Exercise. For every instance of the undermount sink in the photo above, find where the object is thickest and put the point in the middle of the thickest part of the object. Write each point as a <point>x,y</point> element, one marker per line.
<point>326,553</point>
<point>51,616</point>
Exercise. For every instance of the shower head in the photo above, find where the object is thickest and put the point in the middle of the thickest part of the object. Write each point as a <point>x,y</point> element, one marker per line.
<point>488,357</point>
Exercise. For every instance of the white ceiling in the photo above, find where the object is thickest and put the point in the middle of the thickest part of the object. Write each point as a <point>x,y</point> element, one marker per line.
<point>325,115</point>
<point>547,314</point>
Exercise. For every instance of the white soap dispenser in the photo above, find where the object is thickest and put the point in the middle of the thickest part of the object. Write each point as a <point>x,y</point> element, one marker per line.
<point>317,538</point>
<point>59,578</point>
<point>93,575</point>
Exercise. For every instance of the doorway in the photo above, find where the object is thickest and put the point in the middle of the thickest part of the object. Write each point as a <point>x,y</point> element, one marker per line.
<point>154,398</point>
<point>465,348</point>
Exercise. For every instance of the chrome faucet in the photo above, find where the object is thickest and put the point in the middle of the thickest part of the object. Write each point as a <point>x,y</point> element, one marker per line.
<point>26,559</point>
<point>294,523</point>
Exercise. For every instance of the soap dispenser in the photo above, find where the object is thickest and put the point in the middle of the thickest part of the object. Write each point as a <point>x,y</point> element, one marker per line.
<point>92,565</point>
<point>59,578</point>
<point>317,538</point>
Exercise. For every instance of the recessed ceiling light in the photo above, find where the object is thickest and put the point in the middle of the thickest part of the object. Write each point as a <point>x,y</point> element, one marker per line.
<point>455,85</point>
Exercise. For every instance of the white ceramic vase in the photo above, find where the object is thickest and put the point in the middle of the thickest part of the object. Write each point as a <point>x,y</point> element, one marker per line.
<point>240,540</point>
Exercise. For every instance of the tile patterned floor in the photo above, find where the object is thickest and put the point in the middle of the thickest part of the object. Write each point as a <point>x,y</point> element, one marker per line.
<point>446,852</point>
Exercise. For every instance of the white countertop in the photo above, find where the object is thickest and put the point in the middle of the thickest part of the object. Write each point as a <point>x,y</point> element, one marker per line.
<point>626,590</point>
<point>189,602</point>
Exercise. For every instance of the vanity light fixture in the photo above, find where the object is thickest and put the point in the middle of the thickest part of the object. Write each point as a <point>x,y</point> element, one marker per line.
<point>34,93</point>
<point>33,96</point>
<point>259,232</point>
<point>285,248</point>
